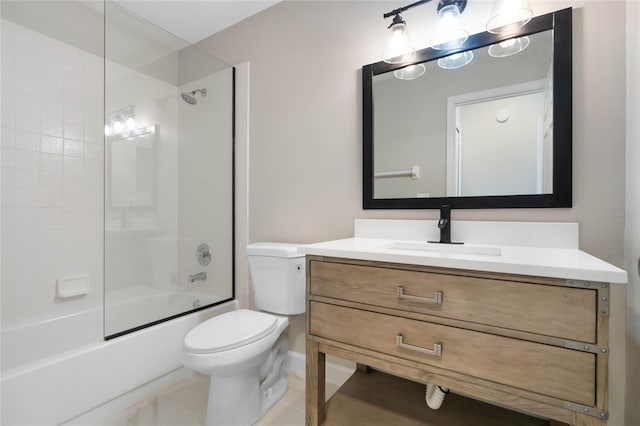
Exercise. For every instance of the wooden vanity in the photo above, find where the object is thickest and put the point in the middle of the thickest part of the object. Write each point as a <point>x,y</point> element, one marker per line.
<point>535,344</point>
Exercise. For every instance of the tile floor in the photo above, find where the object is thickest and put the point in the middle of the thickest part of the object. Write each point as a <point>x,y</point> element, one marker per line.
<point>185,403</point>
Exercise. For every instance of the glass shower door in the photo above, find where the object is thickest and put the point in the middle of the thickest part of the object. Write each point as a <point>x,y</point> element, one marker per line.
<point>168,175</point>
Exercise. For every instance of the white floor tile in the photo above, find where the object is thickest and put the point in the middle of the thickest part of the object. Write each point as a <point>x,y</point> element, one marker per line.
<point>185,403</point>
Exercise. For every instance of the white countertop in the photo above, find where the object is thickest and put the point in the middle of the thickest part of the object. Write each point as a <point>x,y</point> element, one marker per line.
<point>564,263</point>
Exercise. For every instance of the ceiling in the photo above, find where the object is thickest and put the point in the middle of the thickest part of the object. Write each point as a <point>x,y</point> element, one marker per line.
<point>193,20</point>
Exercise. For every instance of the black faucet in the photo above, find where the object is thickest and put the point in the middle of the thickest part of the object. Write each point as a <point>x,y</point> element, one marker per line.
<point>445,226</point>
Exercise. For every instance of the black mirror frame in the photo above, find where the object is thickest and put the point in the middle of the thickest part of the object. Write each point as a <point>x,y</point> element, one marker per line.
<point>561,24</point>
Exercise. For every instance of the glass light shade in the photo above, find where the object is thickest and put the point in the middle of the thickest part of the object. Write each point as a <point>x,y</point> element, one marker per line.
<point>410,72</point>
<point>451,32</point>
<point>457,60</point>
<point>509,47</point>
<point>398,49</point>
<point>508,16</point>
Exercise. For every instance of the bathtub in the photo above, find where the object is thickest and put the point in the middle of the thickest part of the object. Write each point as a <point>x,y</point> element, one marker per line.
<point>47,380</point>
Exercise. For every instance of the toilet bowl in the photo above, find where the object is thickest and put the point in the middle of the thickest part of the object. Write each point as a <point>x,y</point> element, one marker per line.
<point>243,351</point>
<point>232,348</point>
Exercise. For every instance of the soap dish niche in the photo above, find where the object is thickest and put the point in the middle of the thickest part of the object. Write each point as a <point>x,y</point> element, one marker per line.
<point>72,286</point>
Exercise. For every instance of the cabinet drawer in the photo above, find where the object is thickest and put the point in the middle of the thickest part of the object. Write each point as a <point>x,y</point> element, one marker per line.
<point>564,312</point>
<point>557,372</point>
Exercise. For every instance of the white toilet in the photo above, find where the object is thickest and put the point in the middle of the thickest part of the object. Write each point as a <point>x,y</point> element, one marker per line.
<point>243,350</point>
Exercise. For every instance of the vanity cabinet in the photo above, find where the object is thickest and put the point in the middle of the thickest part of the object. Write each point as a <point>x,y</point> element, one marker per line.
<point>535,344</point>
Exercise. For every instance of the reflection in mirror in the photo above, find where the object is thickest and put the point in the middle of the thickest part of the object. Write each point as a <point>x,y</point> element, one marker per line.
<point>483,129</point>
<point>131,170</point>
<point>486,125</point>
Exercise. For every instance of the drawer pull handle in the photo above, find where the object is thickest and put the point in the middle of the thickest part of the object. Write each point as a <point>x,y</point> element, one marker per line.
<point>436,300</point>
<point>436,351</point>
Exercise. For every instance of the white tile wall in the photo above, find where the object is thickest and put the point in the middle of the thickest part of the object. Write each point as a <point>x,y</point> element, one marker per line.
<point>52,174</point>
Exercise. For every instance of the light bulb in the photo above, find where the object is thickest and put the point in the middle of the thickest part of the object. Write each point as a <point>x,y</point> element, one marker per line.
<point>107,130</point>
<point>118,126</point>
<point>451,32</point>
<point>131,123</point>
<point>507,43</point>
<point>398,49</point>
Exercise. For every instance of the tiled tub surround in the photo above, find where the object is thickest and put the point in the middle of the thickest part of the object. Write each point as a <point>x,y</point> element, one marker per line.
<point>52,176</point>
<point>539,311</point>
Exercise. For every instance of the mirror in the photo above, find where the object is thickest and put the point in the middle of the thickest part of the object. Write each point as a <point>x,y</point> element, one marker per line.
<point>475,127</point>
<point>130,178</point>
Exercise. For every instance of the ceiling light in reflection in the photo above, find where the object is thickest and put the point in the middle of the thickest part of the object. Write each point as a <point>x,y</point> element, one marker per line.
<point>509,47</point>
<point>410,72</point>
<point>457,60</point>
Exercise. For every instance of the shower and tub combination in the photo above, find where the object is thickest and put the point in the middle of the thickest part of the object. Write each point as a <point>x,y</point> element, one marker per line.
<point>117,204</point>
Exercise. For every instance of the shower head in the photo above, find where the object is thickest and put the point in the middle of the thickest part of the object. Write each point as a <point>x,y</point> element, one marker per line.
<point>190,97</point>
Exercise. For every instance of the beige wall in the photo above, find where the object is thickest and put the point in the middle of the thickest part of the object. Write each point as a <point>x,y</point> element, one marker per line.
<point>306,139</point>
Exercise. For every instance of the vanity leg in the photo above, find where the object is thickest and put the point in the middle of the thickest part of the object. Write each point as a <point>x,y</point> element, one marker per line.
<point>582,420</point>
<point>315,384</point>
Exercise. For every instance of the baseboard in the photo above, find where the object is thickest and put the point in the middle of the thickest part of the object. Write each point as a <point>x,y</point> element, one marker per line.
<point>336,374</point>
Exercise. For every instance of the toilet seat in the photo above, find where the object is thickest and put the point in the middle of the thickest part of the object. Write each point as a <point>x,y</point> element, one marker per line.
<point>229,331</point>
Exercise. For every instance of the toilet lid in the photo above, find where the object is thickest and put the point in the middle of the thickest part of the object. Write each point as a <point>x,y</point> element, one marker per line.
<point>229,331</point>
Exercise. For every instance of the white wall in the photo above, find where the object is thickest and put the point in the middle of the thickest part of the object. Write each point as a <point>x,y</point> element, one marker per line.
<point>205,190</point>
<point>632,214</point>
<point>52,168</point>
<point>306,118</point>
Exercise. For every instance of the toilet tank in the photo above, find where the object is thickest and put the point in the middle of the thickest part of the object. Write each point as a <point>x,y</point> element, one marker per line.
<point>278,277</point>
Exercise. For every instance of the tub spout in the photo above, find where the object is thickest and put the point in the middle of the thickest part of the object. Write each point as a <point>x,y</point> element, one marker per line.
<point>200,276</point>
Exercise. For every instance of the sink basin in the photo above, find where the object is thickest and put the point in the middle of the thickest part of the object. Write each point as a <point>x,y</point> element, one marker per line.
<point>446,248</point>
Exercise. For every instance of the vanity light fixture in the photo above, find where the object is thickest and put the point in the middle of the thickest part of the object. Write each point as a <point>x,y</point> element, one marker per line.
<point>398,49</point>
<point>120,122</point>
<point>509,47</point>
<point>508,16</point>
<point>450,34</point>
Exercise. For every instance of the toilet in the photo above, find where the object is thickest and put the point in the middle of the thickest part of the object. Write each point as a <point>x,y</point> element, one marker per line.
<point>243,351</point>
